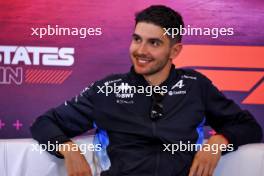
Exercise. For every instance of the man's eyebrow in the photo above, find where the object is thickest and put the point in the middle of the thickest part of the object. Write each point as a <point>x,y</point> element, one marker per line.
<point>155,40</point>
<point>149,39</point>
<point>136,35</point>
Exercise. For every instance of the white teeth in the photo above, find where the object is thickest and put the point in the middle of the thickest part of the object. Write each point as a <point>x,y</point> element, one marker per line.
<point>143,60</point>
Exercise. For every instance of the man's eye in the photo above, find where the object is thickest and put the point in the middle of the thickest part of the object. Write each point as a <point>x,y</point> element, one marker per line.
<point>136,39</point>
<point>155,43</point>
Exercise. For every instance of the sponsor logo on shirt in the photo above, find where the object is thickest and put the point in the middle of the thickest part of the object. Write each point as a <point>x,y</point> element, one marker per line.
<point>179,85</point>
<point>124,91</point>
<point>112,81</point>
<point>173,92</point>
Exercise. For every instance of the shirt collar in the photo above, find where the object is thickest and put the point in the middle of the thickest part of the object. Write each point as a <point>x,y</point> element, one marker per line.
<point>139,79</point>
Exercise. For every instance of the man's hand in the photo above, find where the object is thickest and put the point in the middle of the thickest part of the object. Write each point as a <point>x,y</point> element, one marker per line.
<point>205,161</point>
<point>75,163</point>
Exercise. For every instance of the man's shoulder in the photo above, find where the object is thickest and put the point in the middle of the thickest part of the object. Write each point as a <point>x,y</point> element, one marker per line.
<point>112,78</point>
<point>191,74</point>
<point>108,80</point>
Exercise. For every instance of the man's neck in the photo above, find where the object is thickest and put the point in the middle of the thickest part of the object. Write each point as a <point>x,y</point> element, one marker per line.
<point>159,77</point>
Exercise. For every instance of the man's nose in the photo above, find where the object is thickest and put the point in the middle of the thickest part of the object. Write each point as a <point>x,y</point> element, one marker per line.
<point>142,49</point>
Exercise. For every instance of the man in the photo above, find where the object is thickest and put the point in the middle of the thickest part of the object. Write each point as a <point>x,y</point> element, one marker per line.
<point>140,125</point>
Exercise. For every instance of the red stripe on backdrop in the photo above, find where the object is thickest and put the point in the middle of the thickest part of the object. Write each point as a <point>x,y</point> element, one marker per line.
<point>54,76</point>
<point>220,56</point>
<point>65,77</point>
<point>47,76</point>
<point>58,77</point>
<point>233,80</point>
<point>40,77</point>
<point>35,76</point>
<point>257,96</point>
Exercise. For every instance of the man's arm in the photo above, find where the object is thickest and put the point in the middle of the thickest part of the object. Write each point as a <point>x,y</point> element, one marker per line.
<point>75,162</point>
<point>238,126</point>
<point>233,125</point>
<point>60,124</point>
<point>205,161</point>
<point>68,120</point>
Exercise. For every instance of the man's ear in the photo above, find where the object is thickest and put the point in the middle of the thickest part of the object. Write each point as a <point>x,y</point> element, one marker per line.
<point>175,50</point>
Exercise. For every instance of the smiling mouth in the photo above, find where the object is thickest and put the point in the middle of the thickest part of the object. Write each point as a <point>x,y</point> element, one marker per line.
<point>143,60</point>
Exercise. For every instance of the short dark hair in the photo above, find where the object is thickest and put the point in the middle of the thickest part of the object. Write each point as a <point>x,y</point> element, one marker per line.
<point>162,16</point>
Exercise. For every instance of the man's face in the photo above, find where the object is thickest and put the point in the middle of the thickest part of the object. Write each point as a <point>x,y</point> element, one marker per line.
<point>149,49</point>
